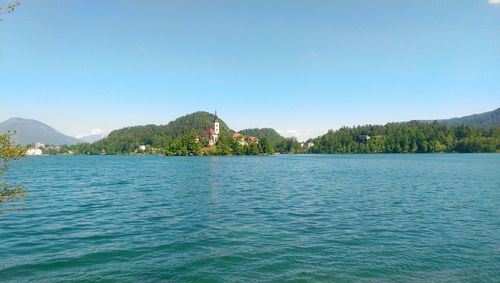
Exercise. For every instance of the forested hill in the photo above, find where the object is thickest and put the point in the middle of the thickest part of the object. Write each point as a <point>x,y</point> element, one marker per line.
<point>268,133</point>
<point>409,137</point>
<point>128,139</point>
<point>483,120</point>
<point>194,122</point>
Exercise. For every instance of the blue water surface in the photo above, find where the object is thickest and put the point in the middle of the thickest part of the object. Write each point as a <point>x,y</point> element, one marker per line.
<point>301,218</point>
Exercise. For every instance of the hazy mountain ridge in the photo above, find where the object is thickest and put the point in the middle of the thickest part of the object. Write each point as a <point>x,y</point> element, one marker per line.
<point>91,138</point>
<point>483,120</point>
<point>29,131</point>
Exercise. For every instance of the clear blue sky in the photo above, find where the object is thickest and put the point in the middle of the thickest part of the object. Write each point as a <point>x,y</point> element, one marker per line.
<point>302,66</point>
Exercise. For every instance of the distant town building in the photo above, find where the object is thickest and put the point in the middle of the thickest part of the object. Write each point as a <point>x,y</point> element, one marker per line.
<point>240,139</point>
<point>34,151</point>
<point>307,144</point>
<point>363,138</point>
<point>253,140</point>
<point>142,147</point>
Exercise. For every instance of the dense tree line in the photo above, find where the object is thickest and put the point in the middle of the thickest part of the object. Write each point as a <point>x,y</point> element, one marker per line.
<point>413,137</point>
<point>190,144</point>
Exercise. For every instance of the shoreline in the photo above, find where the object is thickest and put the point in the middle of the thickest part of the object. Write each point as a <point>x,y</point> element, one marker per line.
<point>271,155</point>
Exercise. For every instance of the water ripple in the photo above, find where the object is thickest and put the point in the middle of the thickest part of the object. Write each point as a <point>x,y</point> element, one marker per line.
<point>287,218</point>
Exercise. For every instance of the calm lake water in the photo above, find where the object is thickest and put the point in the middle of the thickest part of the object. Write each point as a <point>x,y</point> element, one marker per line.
<point>246,219</point>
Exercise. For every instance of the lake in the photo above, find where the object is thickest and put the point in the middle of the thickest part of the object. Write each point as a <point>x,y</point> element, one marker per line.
<point>414,217</point>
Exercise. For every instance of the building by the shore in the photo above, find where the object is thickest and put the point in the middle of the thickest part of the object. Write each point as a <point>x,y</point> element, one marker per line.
<point>34,151</point>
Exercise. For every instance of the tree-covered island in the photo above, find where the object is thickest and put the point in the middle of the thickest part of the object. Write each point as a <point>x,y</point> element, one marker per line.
<point>199,133</point>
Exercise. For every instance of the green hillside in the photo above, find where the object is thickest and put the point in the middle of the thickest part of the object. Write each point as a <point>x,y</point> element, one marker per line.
<point>412,137</point>
<point>269,133</point>
<point>196,121</point>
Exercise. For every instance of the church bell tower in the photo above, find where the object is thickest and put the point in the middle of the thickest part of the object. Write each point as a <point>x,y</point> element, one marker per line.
<point>216,124</point>
<point>216,128</point>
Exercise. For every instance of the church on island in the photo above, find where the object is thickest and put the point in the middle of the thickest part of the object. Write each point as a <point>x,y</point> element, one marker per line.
<point>212,133</point>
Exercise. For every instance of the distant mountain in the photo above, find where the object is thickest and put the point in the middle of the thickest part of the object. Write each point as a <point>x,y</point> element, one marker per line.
<point>90,138</point>
<point>32,131</point>
<point>484,120</point>
<point>269,133</point>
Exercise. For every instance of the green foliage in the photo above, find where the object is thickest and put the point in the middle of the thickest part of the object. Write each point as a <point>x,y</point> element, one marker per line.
<point>10,7</point>
<point>410,137</point>
<point>9,151</point>
<point>229,146</point>
<point>8,194</point>
<point>481,144</point>
<point>181,146</point>
<point>226,145</point>
<point>265,146</point>
<point>289,145</point>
